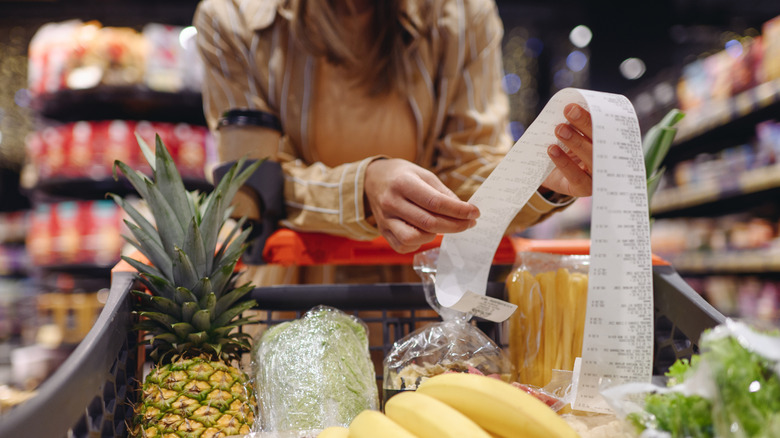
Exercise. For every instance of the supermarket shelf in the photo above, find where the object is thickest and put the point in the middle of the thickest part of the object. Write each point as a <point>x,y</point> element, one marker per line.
<point>61,189</point>
<point>725,123</point>
<point>680,201</point>
<point>758,261</point>
<point>128,103</point>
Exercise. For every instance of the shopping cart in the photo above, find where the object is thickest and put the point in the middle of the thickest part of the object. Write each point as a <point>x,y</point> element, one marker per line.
<point>92,393</point>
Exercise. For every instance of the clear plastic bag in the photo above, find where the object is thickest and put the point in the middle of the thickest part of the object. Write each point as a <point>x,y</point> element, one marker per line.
<point>730,390</point>
<point>545,332</point>
<point>454,344</point>
<point>313,372</point>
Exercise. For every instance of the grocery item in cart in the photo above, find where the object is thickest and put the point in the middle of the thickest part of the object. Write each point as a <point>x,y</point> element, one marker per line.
<point>314,372</point>
<point>191,306</point>
<point>546,331</point>
<point>730,390</point>
<point>454,344</point>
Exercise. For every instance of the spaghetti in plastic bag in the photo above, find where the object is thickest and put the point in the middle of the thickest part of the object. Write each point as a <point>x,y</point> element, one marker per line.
<point>545,332</point>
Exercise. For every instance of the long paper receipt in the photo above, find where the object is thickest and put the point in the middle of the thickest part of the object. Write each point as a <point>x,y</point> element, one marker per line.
<point>618,337</point>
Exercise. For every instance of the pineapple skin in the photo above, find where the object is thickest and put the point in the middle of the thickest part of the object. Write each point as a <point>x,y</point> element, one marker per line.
<point>194,398</point>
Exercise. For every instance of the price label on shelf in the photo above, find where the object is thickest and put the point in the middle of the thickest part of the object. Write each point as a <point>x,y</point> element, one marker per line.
<point>618,337</point>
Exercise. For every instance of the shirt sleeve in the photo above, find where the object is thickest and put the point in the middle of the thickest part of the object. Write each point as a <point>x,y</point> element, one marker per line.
<point>318,198</point>
<point>475,134</point>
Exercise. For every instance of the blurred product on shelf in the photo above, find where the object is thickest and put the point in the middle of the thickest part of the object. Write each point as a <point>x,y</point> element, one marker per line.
<point>13,226</point>
<point>10,397</point>
<point>722,74</point>
<point>724,85</point>
<point>771,34</point>
<point>13,260</point>
<point>88,149</point>
<point>17,311</point>
<point>75,233</point>
<point>744,63</point>
<point>77,55</point>
<point>752,166</point>
<point>32,364</point>
<point>737,232</point>
<point>751,298</point>
<point>67,317</point>
<point>13,255</point>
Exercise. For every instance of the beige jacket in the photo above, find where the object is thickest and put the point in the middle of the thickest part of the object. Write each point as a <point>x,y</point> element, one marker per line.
<point>459,107</point>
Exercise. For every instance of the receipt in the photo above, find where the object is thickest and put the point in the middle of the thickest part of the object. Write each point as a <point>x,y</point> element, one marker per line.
<point>618,337</point>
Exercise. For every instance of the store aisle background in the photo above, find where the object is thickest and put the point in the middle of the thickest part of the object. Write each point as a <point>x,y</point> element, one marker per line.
<point>707,233</point>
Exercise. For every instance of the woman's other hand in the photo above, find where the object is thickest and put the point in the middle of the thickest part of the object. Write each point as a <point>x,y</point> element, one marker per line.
<point>411,205</point>
<point>572,173</point>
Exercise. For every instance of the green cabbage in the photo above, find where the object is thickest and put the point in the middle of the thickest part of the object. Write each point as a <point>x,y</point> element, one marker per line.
<point>314,372</point>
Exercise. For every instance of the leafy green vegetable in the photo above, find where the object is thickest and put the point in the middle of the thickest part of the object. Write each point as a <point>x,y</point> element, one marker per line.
<point>314,372</point>
<point>749,389</point>
<point>680,369</point>
<point>745,402</point>
<point>681,415</point>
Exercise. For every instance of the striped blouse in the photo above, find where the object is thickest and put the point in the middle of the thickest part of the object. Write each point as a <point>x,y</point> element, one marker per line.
<point>455,99</point>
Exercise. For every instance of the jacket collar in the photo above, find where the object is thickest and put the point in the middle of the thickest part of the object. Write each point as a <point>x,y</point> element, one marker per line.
<point>261,13</point>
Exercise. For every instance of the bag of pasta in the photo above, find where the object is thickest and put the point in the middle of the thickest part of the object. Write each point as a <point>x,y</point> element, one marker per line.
<point>454,344</point>
<point>545,332</point>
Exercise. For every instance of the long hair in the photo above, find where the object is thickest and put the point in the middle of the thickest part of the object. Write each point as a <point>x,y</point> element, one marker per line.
<point>316,24</point>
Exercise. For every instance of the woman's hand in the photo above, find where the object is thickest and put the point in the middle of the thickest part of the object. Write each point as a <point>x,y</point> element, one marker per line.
<point>411,205</point>
<point>572,173</point>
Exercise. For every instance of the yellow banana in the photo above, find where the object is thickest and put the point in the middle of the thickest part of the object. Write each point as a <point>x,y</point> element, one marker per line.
<point>334,432</point>
<point>497,406</point>
<point>427,417</point>
<point>374,424</point>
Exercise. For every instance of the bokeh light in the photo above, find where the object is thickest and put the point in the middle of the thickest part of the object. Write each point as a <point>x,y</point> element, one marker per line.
<point>576,61</point>
<point>734,48</point>
<point>632,68</point>
<point>511,83</point>
<point>186,35</point>
<point>580,36</point>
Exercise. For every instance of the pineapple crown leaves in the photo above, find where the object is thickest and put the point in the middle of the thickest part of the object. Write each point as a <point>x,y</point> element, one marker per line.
<point>190,306</point>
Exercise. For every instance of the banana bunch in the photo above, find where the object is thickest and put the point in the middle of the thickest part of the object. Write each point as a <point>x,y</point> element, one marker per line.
<point>458,405</point>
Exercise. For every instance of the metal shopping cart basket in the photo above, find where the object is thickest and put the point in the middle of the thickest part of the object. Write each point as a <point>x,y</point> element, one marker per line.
<point>91,394</point>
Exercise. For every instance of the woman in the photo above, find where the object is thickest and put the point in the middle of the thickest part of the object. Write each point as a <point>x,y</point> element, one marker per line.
<point>391,112</point>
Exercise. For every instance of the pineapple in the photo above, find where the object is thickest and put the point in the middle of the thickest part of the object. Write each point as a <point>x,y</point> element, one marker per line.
<point>192,307</point>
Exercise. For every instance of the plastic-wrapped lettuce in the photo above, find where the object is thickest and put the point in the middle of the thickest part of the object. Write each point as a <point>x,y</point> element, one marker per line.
<point>314,372</point>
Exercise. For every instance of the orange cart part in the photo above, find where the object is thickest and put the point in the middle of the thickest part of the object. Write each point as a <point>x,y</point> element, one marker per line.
<point>570,246</point>
<point>287,247</point>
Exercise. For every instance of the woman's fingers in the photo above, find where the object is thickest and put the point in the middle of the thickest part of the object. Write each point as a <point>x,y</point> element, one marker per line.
<point>580,147</point>
<point>573,180</point>
<point>579,118</point>
<point>404,238</point>
<point>411,205</point>
<point>431,195</point>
